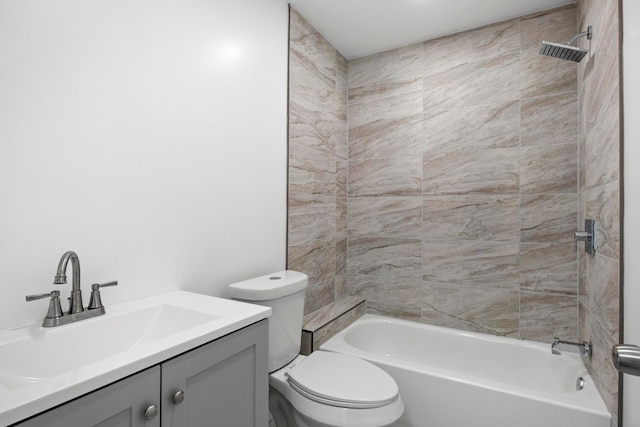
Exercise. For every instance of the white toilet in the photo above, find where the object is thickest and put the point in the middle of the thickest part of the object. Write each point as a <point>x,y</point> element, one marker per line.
<point>323,389</point>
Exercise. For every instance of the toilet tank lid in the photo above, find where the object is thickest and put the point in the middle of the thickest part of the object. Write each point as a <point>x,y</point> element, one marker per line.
<point>270,286</point>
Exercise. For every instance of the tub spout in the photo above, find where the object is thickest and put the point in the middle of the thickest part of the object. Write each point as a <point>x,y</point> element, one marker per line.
<point>584,347</point>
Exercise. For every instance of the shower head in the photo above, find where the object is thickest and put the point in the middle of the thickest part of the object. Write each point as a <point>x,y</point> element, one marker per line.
<point>562,51</point>
<point>566,51</point>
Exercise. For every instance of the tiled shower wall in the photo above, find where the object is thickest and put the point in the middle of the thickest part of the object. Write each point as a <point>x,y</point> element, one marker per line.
<point>462,189</point>
<point>599,190</point>
<point>317,213</point>
<point>461,192</point>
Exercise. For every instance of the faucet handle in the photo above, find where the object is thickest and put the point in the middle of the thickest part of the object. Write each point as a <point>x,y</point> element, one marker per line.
<point>52,294</point>
<point>96,286</point>
<point>95,301</point>
<point>55,309</point>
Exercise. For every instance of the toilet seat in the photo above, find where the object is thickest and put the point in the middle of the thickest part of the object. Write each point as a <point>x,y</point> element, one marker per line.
<point>341,380</point>
<point>316,413</point>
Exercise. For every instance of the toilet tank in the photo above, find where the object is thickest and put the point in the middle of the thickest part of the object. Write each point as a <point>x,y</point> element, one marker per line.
<point>283,292</point>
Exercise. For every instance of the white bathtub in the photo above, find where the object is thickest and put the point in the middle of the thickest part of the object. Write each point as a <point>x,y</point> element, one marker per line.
<point>452,378</point>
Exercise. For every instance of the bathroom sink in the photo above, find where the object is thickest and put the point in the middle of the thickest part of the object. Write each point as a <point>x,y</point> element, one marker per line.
<point>42,367</point>
<point>68,348</point>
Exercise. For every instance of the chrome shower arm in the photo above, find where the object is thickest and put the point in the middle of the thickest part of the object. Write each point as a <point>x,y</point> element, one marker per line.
<point>588,33</point>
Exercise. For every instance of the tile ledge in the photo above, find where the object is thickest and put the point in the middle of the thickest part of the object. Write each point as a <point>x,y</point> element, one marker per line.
<point>325,315</point>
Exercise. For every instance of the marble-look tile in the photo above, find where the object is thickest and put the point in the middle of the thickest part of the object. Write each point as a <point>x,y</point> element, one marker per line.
<point>402,299</point>
<point>308,87</point>
<point>305,202</point>
<point>342,88</point>
<point>490,311</point>
<point>331,313</point>
<point>548,268</point>
<point>316,258</point>
<point>472,128</point>
<point>542,75</point>
<point>488,81</point>
<point>313,130</point>
<point>600,365</point>
<point>385,257</point>
<point>471,46</point>
<point>602,149</point>
<point>323,334</point>
<point>558,26</point>
<point>599,184</point>
<point>341,139</point>
<point>544,316</point>
<point>549,120</point>
<point>309,173</point>
<point>307,227</point>
<point>583,292</point>
<point>341,218</point>
<point>342,177</point>
<point>582,142</point>
<point>341,131</point>
<point>583,289</point>
<point>385,177</point>
<point>371,288</point>
<point>317,233</point>
<point>602,84</point>
<point>385,216</point>
<point>584,328</point>
<point>307,44</point>
<point>582,207</point>
<point>549,169</point>
<point>603,205</point>
<point>472,172</point>
<point>470,262</point>
<point>340,286</point>
<point>494,218</point>
<point>317,295</point>
<point>582,165</point>
<point>548,218</point>
<point>389,296</point>
<point>386,127</point>
<point>603,290</point>
<point>385,74</point>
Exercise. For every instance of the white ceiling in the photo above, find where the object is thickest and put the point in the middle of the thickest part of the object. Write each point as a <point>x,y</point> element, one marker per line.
<point>359,28</point>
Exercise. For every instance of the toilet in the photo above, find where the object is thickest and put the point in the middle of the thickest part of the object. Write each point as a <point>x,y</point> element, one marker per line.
<point>323,389</point>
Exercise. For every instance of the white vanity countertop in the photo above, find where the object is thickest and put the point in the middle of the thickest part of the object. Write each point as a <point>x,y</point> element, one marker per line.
<point>43,367</point>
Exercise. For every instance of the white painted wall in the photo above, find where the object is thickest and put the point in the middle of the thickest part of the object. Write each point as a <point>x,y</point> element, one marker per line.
<point>147,135</point>
<point>631,47</point>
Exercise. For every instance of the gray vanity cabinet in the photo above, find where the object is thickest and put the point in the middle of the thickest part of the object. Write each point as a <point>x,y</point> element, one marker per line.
<point>221,384</point>
<point>225,383</point>
<point>121,404</point>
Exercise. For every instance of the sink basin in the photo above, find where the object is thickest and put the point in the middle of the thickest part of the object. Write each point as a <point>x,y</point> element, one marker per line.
<point>89,341</point>
<point>43,367</point>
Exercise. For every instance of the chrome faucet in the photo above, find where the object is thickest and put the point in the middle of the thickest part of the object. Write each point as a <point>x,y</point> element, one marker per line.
<point>75,302</point>
<point>584,348</point>
<point>55,316</point>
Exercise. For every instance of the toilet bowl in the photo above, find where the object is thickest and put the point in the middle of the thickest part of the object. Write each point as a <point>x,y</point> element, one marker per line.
<point>323,389</point>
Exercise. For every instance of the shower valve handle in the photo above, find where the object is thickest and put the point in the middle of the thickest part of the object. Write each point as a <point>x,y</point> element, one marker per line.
<point>588,236</point>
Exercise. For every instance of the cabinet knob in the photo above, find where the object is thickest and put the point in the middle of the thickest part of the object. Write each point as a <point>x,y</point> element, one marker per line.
<point>178,397</point>
<point>151,412</point>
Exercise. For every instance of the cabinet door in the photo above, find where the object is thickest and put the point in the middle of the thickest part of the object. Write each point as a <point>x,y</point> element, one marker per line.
<point>225,383</point>
<point>122,404</point>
